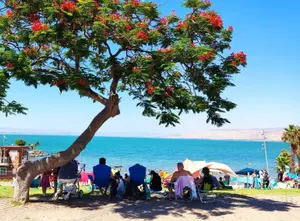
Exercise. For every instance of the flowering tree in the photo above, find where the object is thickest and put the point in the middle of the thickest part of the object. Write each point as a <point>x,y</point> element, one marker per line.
<point>99,48</point>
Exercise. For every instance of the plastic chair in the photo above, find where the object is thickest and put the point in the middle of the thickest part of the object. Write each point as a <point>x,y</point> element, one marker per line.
<point>183,182</point>
<point>205,192</point>
<point>101,178</point>
<point>137,174</point>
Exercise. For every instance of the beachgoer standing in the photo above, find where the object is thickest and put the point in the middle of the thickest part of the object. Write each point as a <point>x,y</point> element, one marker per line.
<point>266,180</point>
<point>254,179</point>
<point>45,182</point>
<point>280,176</point>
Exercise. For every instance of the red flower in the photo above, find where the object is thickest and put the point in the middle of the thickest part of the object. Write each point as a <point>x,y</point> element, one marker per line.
<point>141,25</point>
<point>31,50</point>
<point>96,4</point>
<point>207,2</point>
<point>163,21</point>
<point>33,17</point>
<point>153,4</point>
<point>181,25</point>
<point>46,47</point>
<point>128,27</point>
<point>116,1</point>
<point>150,88</point>
<point>115,16</point>
<point>10,14</point>
<point>206,56</point>
<point>230,28</point>
<point>135,3</point>
<point>213,18</point>
<point>167,94</point>
<point>142,35</point>
<point>233,63</point>
<point>9,65</point>
<point>169,90</point>
<point>166,50</point>
<point>38,26</point>
<point>68,6</point>
<point>240,57</point>
<point>134,69</point>
<point>192,44</point>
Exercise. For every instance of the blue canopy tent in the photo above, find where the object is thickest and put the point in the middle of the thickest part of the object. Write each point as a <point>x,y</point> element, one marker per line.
<point>247,180</point>
<point>247,171</point>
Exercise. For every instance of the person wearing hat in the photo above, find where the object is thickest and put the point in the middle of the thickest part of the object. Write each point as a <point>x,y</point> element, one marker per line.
<point>155,181</point>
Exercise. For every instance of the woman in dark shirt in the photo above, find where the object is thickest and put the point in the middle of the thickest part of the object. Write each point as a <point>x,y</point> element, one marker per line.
<point>155,181</point>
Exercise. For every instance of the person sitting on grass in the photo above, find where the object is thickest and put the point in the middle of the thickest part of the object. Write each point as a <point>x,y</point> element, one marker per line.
<point>180,172</point>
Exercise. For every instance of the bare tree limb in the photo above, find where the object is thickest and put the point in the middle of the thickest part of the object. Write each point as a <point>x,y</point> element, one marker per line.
<point>95,96</point>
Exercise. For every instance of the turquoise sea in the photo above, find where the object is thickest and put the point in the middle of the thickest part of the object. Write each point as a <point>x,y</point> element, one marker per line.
<point>155,153</point>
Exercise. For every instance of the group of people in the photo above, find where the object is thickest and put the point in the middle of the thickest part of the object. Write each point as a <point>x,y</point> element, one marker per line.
<point>121,187</point>
<point>262,178</point>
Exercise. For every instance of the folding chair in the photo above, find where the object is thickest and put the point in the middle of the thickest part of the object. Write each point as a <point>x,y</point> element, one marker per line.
<point>205,192</point>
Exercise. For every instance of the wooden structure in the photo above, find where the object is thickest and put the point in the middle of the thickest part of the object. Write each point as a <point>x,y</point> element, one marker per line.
<point>11,157</point>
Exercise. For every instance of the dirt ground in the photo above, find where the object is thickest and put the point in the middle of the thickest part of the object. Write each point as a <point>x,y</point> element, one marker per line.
<point>92,208</point>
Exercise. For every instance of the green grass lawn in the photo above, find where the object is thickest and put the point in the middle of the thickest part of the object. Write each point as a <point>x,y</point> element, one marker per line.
<point>7,191</point>
<point>253,192</point>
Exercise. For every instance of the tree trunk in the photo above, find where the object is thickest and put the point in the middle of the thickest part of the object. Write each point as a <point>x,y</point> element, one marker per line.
<point>292,169</point>
<point>27,171</point>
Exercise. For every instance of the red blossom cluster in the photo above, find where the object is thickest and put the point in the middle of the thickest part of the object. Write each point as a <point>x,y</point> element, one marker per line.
<point>163,21</point>
<point>115,16</point>
<point>82,82</point>
<point>207,2</point>
<point>68,6</point>
<point>166,50</point>
<point>10,14</point>
<point>192,44</point>
<point>213,18</point>
<point>9,65</point>
<point>150,88</point>
<point>206,56</point>
<point>141,25</point>
<point>135,3</point>
<point>57,83</point>
<point>239,58</point>
<point>31,50</point>
<point>116,1</point>
<point>39,26</point>
<point>96,4</point>
<point>142,35</point>
<point>101,19</point>
<point>230,28</point>
<point>181,25</point>
<point>169,91</point>
<point>33,17</point>
<point>128,27</point>
<point>46,47</point>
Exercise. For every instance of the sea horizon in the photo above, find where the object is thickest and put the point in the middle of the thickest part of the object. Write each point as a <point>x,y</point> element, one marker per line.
<point>160,153</point>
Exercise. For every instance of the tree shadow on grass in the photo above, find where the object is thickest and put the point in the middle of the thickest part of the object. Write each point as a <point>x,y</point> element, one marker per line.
<point>158,206</point>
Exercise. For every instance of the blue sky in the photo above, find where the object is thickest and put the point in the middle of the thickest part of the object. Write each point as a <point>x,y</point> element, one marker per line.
<point>267,90</point>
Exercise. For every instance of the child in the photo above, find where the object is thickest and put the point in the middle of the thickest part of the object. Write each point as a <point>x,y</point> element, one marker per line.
<point>45,182</point>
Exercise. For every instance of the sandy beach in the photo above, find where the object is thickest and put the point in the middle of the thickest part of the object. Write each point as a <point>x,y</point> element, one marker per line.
<point>230,207</point>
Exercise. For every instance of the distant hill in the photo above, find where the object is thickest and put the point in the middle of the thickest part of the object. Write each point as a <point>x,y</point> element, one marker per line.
<point>248,134</point>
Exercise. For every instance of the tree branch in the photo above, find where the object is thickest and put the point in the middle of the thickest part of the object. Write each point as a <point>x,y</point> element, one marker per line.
<point>95,96</point>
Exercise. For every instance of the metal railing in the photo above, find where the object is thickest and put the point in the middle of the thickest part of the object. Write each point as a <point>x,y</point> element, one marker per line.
<point>4,160</point>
